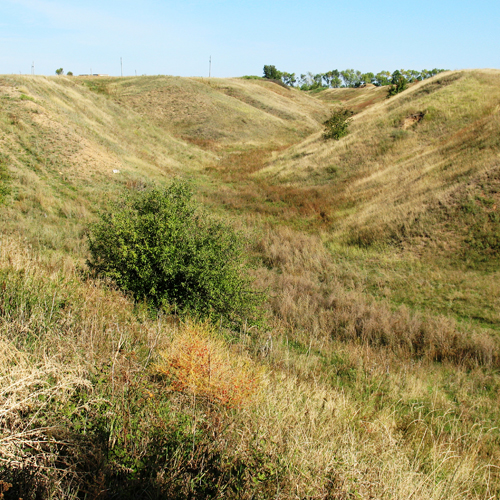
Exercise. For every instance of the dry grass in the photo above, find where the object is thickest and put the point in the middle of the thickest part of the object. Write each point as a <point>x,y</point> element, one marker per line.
<point>199,363</point>
<point>341,396</point>
<point>381,177</point>
<point>312,300</point>
<point>334,447</point>
<point>27,387</point>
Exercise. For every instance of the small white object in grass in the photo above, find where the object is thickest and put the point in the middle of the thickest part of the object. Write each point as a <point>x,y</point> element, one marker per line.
<point>116,171</point>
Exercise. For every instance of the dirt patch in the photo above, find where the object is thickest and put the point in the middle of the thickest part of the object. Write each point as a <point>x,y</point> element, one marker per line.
<point>411,120</point>
<point>70,148</point>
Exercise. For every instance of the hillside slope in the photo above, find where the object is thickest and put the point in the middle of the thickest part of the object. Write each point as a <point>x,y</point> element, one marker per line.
<point>220,112</point>
<point>405,156</point>
<point>69,145</point>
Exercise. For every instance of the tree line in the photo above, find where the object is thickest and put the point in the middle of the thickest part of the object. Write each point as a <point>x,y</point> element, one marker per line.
<point>349,78</point>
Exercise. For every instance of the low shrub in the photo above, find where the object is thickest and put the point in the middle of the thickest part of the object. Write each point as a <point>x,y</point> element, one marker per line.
<point>337,126</point>
<point>158,245</point>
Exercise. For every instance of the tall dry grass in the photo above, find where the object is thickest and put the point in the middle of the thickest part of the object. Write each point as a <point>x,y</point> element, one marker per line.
<point>323,418</point>
<point>311,299</point>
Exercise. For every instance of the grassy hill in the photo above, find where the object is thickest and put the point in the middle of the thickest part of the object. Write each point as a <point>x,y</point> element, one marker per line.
<point>419,173</point>
<point>221,113</point>
<point>63,138</point>
<point>376,373</point>
<point>403,154</point>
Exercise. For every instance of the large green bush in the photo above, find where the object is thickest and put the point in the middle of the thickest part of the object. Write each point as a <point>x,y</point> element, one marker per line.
<point>159,245</point>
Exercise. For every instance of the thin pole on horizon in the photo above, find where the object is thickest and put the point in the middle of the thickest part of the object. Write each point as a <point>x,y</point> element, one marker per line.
<point>121,66</point>
<point>33,68</point>
<point>210,67</point>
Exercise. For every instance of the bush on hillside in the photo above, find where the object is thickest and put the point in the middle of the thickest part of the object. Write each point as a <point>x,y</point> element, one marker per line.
<point>399,83</point>
<point>337,126</point>
<point>161,247</point>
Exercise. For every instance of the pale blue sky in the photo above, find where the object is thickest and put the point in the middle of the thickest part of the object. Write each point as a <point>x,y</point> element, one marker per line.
<point>177,38</point>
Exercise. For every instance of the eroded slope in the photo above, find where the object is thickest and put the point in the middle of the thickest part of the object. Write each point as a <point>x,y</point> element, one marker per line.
<point>220,112</point>
<point>403,156</point>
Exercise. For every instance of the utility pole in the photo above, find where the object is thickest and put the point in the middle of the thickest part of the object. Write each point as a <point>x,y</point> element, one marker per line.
<point>33,68</point>
<point>210,67</point>
<point>135,72</point>
<point>121,65</point>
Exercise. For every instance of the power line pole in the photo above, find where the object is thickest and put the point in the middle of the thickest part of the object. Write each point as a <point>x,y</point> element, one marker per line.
<point>121,65</point>
<point>210,67</point>
<point>33,68</point>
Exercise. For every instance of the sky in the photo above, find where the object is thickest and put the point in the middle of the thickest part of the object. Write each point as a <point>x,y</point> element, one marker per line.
<point>178,37</point>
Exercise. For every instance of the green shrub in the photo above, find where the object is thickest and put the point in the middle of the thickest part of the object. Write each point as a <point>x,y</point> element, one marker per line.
<point>337,125</point>
<point>399,83</point>
<point>161,247</point>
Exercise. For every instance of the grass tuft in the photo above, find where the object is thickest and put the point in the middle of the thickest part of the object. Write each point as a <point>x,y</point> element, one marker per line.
<point>199,363</point>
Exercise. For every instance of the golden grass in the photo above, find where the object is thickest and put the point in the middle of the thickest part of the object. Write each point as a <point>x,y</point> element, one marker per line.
<point>27,386</point>
<point>334,448</point>
<point>199,363</point>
